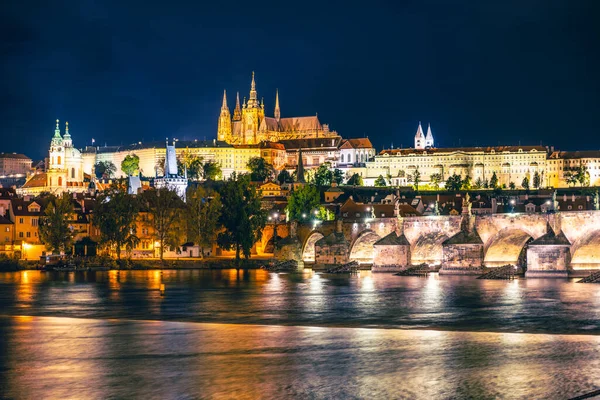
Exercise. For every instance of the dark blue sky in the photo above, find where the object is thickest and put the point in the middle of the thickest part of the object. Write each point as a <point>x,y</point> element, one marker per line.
<point>482,72</point>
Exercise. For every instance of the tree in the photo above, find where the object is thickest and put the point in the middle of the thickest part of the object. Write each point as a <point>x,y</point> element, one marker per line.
<point>478,183</point>
<point>204,209</point>
<point>435,180</point>
<point>104,169</point>
<point>211,170</point>
<point>284,177</point>
<point>115,217</point>
<point>525,183</point>
<point>260,169</point>
<point>380,181</point>
<point>191,164</point>
<point>416,179</point>
<point>494,181</point>
<point>54,227</point>
<point>324,214</point>
<point>454,183</point>
<point>338,176</point>
<point>242,216</point>
<point>302,202</point>
<point>355,180</point>
<point>512,185</point>
<point>466,183</point>
<point>130,165</point>
<point>165,209</point>
<point>571,178</point>
<point>582,176</point>
<point>323,175</point>
<point>536,180</point>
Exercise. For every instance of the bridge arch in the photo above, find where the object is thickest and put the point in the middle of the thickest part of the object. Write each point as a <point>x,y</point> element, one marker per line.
<point>308,250</point>
<point>508,246</point>
<point>428,248</point>
<point>362,249</point>
<point>584,252</point>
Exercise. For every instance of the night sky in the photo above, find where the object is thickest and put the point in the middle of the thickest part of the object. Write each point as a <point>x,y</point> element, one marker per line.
<point>482,72</point>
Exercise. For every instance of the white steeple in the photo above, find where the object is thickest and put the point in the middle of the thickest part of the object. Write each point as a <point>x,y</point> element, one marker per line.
<point>429,137</point>
<point>419,138</point>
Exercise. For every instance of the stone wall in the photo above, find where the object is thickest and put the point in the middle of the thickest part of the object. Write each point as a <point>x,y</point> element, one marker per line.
<point>549,260</point>
<point>457,256</point>
<point>391,258</point>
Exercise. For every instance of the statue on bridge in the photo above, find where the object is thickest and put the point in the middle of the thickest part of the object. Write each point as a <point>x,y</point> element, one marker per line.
<point>596,201</point>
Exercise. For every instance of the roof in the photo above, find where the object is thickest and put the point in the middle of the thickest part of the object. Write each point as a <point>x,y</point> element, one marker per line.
<point>156,145</point>
<point>576,154</point>
<point>333,238</point>
<point>392,240</point>
<point>311,143</point>
<point>551,238</point>
<point>496,149</point>
<point>20,207</point>
<point>463,237</point>
<point>272,145</point>
<point>5,221</point>
<point>295,124</point>
<point>360,143</point>
<point>36,180</point>
<point>14,155</point>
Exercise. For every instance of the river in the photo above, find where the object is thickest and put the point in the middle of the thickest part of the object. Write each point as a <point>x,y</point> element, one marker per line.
<point>254,334</point>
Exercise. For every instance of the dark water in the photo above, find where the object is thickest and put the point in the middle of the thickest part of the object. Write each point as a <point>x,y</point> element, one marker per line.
<point>223,334</point>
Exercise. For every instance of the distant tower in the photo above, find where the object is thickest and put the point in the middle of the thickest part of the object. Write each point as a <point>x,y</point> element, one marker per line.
<point>67,141</point>
<point>300,169</point>
<point>252,115</point>
<point>419,138</point>
<point>224,126</point>
<point>56,172</point>
<point>429,137</point>
<point>237,112</point>
<point>171,178</point>
<point>277,113</point>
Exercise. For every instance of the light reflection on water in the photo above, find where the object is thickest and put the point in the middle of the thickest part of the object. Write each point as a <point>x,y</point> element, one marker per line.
<point>474,352</point>
<point>49,357</point>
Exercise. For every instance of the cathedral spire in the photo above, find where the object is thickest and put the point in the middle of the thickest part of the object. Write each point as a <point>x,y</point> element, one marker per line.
<point>237,112</point>
<point>57,130</point>
<point>277,111</point>
<point>419,138</point>
<point>253,100</point>
<point>224,106</point>
<point>429,137</point>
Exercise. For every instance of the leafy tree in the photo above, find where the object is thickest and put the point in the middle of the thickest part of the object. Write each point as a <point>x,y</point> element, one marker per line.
<point>323,175</point>
<point>338,176</point>
<point>478,183</point>
<point>436,179</point>
<point>571,178</point>
<point>242,216</point>
<point>454,183</point>
<point>260,169</point>
<point>166,210</point>
<point>284,177</point>
<point>536,180</point>
<point>466,183</point>
<point>494,181</point>
<point>211,170</point>
<point>192,164</point>
<point>115,216</point>
<point>303,201</point>
<point>512,185</point>
<point>582,176</point>
<point>416,179</point>
<point>380,181</point>
<point>486,184</point>
<point>104,169</point>
<point>355,180</point>
<point>204,209</point>
<point>54,227</point>
<point>130,165</point>
<point>525,183</point>
<point>324,214</point>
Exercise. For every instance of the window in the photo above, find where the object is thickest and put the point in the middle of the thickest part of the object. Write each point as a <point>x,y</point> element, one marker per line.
<point>20,234</point>
<point>73,173</point>
<point>28,234</point>
<point>60,181</point>
<point>58,160</point>
<point>34,222</point>
<point>20,220</point>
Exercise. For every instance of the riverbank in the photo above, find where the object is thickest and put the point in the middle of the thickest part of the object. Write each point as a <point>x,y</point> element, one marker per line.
<point>103,264</point>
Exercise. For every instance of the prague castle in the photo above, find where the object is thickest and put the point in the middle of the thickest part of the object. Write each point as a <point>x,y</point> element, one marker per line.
<point>250,125</point>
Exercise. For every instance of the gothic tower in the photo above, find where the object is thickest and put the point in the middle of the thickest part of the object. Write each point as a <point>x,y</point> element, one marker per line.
<point>237,112</point>
<point>277,113</point>
<point>419,138</point>
<point>252,115</point>
<point>224,126</point>
<point>56,172</point>
<point>429,137</point>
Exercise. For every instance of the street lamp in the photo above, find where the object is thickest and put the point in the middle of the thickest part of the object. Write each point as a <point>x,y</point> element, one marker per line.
<point>274,217</point>
<point>512,205</point>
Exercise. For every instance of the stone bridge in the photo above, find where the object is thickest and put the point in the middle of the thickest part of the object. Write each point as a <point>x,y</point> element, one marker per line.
<point>546,244</point>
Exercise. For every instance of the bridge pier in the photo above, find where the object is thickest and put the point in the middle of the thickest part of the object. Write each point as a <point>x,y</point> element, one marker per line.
<point>392,253</point>
<point>549,256</point>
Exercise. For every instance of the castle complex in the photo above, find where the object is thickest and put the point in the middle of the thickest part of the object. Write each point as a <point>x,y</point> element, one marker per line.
<point>249,133</point>
<point>249,125</point>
